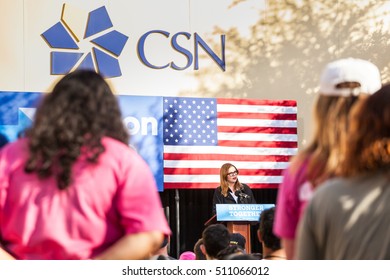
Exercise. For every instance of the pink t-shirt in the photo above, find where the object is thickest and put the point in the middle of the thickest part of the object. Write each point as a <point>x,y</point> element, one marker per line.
<point>107,200</point>
<point>293,194</point>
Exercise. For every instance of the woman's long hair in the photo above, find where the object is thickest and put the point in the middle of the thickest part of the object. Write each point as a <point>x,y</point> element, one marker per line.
<point>71,121</point>
<point>367,149</point>
<point>223,173</point>
<point>326,150</point>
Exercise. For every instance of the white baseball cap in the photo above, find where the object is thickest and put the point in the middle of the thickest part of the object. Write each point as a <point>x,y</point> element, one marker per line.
<point>350,70</point>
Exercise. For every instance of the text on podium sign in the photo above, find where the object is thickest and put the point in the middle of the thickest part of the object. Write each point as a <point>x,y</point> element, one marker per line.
<point>241,212</point>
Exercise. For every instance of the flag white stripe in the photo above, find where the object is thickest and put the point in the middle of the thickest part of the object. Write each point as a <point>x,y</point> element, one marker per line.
<point>218,164</point>
<point>256,109</point>
<point>215,179</point>
<point>256,123</point>
<point>229,150</point>
<point>257,137</point>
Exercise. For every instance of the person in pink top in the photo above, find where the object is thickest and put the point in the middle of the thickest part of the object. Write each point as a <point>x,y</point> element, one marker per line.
<point>343,82</point>
<point>72,188</point>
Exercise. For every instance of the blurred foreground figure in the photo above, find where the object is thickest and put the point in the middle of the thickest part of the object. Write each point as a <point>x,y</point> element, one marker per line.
<point>349,216</point>
<point>72,188</point>
<point>343,84</point>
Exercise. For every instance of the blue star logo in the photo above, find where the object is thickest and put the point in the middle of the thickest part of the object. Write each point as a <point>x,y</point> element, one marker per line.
<point>83,40</point>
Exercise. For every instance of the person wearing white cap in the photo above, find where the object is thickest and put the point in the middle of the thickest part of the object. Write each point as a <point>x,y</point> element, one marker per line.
<point>342,83</point>
<point>348,216</point>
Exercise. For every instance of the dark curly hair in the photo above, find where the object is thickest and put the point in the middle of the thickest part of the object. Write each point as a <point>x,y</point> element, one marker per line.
<point>70,121</point>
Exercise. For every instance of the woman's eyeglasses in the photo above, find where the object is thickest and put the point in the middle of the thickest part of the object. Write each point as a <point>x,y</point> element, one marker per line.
<point>232,174</point>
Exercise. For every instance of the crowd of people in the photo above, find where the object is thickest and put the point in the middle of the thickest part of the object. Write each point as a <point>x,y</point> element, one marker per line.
<point>72,188</point>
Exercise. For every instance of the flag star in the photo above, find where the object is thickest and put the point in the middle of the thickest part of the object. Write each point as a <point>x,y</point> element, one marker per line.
<point>166,140</point>
<point>171,125</point>
<point>176,140</point>
<point>181,135</point>
<point>171,135</point>
<point>180,116</point>
<point>166,120</point>
<point>175,101</point>
<point>194,121</point>
<point>170,115</point>
<point>180,106</point>
<point>175,121</point>
<point>170,105</point>
<point>189,106</point>
<point>195,141</point>
<point>190,136</point>
<point>185,140</point>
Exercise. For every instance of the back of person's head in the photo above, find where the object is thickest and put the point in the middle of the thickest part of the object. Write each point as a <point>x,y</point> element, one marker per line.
<point>238,239</point>
<point>342,83</point>
<point>368,145</point>
<point>228,251</point>
<point>74,117</point>
<point>215,238</point>
<point>198,252</point>
<point>266,235</point>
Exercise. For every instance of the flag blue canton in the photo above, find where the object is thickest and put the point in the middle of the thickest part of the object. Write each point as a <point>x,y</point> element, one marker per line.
<point>190,121</point>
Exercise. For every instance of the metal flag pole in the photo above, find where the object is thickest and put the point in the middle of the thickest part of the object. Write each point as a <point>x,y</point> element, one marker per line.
<point>177,200</point>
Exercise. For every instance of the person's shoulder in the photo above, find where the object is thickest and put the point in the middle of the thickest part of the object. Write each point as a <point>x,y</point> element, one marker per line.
<point>15,148</point>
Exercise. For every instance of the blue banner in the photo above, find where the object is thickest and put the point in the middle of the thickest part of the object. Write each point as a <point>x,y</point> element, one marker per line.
<point>142,115</point>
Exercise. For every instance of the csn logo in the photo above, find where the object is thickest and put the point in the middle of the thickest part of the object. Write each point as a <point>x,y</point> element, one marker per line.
<point>82,40</point>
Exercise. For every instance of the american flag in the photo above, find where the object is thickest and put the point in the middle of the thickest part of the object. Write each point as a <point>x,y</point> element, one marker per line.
<point>201,134</point>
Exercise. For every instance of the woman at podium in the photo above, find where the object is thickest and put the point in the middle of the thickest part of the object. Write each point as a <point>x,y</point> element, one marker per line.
<point>231,190</point>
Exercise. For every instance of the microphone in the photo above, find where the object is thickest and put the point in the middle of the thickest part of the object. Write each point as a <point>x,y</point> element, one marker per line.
<point>239,193</point>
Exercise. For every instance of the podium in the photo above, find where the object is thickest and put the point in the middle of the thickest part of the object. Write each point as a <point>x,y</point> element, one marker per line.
<point>239,218</point>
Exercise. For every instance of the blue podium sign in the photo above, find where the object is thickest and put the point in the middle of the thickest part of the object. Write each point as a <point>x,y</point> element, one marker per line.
<point>241,212</point>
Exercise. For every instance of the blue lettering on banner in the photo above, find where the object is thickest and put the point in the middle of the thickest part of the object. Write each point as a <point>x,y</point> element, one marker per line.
<point>241,212</point>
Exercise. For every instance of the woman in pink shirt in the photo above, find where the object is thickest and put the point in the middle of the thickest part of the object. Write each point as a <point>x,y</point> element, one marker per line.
<point>72,188</point>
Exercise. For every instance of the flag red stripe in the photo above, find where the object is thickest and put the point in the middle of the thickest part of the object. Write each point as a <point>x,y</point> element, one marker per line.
<point>258,144</point>
<point>213,186</point>
<point>260,116</point>
<point>235,101</point>
<point>270,130</point>
<point>214,171</point>
<point>259,158</point>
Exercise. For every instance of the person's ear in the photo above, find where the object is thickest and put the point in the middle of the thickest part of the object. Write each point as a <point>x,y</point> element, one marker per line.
<point>259,236</point>
<point>203,249</point>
